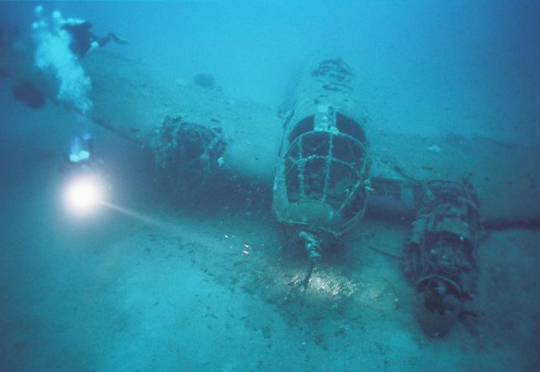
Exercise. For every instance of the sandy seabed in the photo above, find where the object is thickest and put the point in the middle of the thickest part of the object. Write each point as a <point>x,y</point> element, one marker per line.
<point>212,286</point>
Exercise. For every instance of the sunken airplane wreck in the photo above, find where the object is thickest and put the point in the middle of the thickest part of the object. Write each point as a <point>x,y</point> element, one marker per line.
<point>324,171</point>
<point>322,187</point>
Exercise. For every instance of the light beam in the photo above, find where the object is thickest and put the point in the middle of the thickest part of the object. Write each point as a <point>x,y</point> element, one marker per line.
<point>84,194</point>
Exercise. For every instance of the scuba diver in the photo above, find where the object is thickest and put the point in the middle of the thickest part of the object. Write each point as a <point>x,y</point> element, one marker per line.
<point>60,45</point>
<point>81,157</point>
<point>87,184</point>
<point>83,40</point>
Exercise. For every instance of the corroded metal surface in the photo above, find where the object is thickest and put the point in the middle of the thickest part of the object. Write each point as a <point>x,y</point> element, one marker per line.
<point>133,102</point>
<point>439,257</point>
<point>187,155</point>
<point>321,181</point>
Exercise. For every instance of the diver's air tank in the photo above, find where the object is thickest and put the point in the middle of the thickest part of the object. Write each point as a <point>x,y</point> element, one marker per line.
<point>321,183</point>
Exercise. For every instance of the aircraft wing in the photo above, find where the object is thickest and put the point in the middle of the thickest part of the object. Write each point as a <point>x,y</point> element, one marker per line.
<point>133,102</point>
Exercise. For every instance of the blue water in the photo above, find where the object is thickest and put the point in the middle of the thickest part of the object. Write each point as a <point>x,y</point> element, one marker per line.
<point>75,299</point>
<point>426,66</point>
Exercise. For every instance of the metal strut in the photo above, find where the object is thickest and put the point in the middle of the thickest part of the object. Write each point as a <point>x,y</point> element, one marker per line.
<point>313,249</point>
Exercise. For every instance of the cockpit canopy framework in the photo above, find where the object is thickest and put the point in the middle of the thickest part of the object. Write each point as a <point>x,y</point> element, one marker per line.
<point>322,181</point>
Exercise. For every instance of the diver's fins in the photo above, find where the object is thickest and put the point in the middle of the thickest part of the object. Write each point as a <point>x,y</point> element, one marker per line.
<point>117,40</point>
